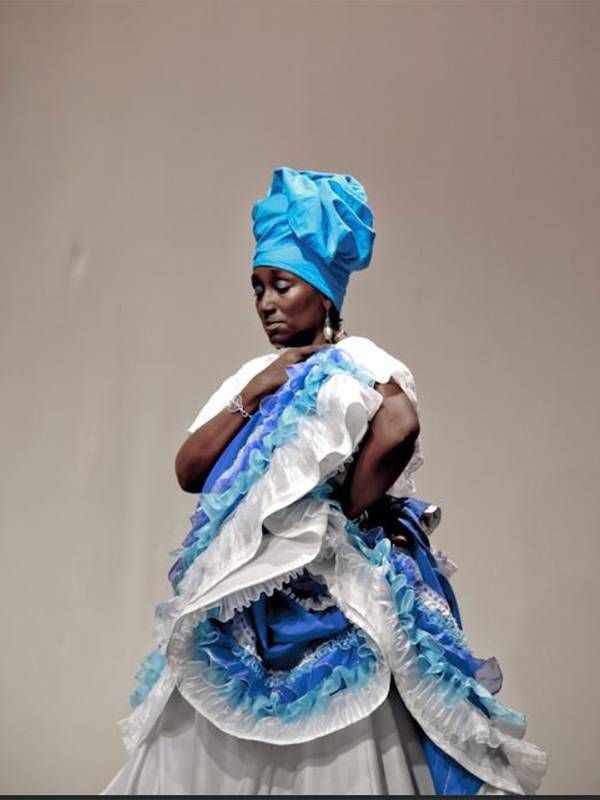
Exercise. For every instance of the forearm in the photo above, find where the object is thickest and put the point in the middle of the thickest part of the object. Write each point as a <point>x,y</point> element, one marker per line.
<point>385,451</point>
<point>202,448</point>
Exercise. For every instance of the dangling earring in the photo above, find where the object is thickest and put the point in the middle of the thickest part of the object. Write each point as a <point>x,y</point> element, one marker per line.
<point>327,329</point>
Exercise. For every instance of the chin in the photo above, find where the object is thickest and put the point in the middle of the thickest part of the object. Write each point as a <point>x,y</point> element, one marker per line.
<point>278,337</point>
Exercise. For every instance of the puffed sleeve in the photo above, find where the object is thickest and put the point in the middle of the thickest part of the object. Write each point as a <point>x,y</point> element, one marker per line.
<point>386,367</point>
<point>230,386</point>
<point>215,403</point>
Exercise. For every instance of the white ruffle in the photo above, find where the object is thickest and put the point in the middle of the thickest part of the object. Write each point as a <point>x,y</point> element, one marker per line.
<point>499,757</point>
<point>344,708</point>
<point>275,531</point>
<point>381,364</point>
<point>135,727</point>
<point>385,367</point>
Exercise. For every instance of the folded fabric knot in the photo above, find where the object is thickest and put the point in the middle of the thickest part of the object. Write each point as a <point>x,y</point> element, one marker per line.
<point>317,225</point>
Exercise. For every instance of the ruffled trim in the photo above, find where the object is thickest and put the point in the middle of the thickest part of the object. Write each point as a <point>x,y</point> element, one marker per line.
<point>491,749</point>
<point>223,701</point>
<point>231,604</point>
<point>147,675</point>
<point>276,530</point>
<point>344,663</point>
<point>275,501</point>
<point>280,415</point>
<point>436,636</point>
<point>135,727</point>
<point>278,512</point>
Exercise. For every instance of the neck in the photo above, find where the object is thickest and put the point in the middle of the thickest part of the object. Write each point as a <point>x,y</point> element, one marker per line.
<point>318,339</point>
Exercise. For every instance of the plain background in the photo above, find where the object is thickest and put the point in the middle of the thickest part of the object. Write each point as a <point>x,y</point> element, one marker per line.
<point>134,139</point>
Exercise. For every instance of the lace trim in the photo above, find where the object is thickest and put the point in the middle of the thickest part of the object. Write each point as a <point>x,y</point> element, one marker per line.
<point>435,604</point>
<point>311,603</point>
<point>284,694</point>
<point>229,605</point>
<point>244,635</point>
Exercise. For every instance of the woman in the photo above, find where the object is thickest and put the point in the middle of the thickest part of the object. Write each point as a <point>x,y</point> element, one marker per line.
<point>313,644</point>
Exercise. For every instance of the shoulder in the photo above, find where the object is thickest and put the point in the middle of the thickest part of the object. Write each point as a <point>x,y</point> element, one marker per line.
<point>383,365</point>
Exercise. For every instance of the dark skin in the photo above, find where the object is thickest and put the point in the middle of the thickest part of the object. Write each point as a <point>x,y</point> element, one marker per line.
<point>292,313</point>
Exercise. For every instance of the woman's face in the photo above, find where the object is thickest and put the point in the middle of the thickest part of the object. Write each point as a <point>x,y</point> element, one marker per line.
<point>291,310</point>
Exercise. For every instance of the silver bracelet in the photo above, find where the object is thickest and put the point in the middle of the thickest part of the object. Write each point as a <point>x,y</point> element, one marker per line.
<point>235,404</point>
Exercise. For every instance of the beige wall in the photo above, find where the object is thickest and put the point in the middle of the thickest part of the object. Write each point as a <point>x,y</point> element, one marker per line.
<point>134,139</point>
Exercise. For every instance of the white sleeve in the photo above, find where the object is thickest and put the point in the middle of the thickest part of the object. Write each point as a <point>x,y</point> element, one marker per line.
<point>382,365</point>
<point>402,375</point>
<point>230,387</point>
<point>405,483</point>
<point>385,367</point>
<point>215,403</point>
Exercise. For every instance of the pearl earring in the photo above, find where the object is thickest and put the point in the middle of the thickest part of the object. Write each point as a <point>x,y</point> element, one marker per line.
<point>327,329</point>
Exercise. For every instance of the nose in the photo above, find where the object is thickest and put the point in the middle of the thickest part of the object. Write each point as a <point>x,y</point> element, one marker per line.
<point>266,304</point>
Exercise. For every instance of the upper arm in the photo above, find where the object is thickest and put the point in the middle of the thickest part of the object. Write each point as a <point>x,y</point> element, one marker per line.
<point>400,411</point>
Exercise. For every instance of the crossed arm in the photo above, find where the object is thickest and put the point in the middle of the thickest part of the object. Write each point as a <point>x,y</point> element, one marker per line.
<point>383,453</point>
<point>385,450</point>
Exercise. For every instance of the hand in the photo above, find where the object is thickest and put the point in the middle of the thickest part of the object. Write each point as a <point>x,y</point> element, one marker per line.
<point>382,513</point>
<point>272,377</point>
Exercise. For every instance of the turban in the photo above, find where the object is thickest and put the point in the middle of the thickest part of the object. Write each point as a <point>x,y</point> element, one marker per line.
<point>316,225</point>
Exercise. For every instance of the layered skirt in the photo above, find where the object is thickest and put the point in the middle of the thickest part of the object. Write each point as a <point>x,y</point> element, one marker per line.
<point>186,754</point>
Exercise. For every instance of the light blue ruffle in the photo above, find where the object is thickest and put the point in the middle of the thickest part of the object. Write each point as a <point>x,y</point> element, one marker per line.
<point>280,414</point>
<point>428,633</point>
<point>344,663</point>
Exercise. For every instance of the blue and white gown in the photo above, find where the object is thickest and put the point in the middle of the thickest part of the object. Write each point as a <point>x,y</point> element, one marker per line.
<point>301,652</point>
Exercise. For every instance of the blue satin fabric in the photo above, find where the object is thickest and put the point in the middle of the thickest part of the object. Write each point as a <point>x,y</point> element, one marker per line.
<point>285,629</point>
<point>222,464</point>
<point>228,455</point>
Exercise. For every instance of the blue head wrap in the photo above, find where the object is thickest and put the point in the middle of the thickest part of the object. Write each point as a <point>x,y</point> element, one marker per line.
<point>316,225</point>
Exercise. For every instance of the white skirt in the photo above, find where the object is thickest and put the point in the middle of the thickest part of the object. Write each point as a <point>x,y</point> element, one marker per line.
<point>187,754</point>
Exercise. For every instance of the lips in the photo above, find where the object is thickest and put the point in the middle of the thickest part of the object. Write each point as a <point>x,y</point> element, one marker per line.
<point>271,326</point>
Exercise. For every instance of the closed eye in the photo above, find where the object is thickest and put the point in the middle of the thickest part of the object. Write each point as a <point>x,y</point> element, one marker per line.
<point>282,288</point>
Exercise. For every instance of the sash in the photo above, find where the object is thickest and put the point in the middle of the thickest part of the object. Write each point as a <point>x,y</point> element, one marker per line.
<point>288,620</point>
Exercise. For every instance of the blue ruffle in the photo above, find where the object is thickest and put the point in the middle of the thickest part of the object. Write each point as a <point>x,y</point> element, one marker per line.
<point>324,663</point>
<point>439,653</point>
<point>147,675</point>
<point>275,422</point>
